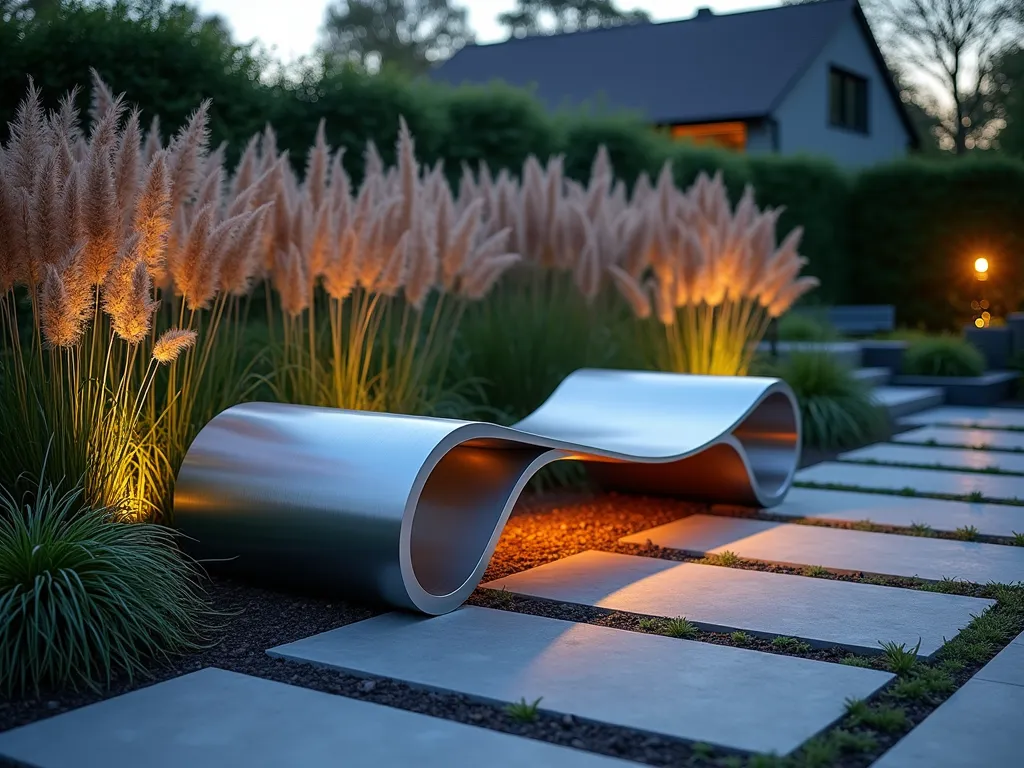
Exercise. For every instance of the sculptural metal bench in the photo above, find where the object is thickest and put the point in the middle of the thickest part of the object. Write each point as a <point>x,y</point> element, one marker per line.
<point>408,510</point>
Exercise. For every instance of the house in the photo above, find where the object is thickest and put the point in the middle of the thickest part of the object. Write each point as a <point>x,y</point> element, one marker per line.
<point>792,79</point>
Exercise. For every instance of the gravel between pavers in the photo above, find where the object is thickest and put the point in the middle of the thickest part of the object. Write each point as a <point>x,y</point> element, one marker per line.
<point>257,619</point>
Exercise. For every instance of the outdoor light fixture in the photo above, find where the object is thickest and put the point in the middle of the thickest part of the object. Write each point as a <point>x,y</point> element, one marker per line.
<point>982,320</point>
<point>407,510</point>
<point>981,268</point>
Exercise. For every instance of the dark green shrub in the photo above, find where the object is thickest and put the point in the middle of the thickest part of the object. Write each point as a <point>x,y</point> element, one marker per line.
<point>943,356</point>
<point>357,108</point>
<point>690,160</point>
<point>85,595</point>
<point>496,124</point>
<point>916,228</point>
<point>167,58</point>
<point>836,408</point>
<point>815,195</point>
<point>806,326</point>
<point>528,335</point>
<point>632,146</point>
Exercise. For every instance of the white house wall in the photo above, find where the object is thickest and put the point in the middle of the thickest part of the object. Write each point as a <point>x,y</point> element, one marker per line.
<point>803,117</point>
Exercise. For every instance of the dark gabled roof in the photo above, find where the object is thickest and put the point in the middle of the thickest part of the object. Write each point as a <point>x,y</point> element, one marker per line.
<point>707,68</point>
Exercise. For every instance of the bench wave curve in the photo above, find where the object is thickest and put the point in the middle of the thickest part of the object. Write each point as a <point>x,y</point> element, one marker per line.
<point>407,510</point>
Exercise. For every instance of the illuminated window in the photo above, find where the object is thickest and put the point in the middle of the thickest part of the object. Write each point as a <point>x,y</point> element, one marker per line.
<point>847,101</point>
<point>728,135</point>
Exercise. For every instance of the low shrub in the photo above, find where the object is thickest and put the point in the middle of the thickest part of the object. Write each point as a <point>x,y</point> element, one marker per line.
<point>943,356</point>
<point>86,595</point>
<point>836,408</point>
<point>804,326</point>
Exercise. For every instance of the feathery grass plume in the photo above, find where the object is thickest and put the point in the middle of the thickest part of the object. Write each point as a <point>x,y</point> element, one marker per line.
<point>126,168</point>
<point>171,344</point>
<point>101,217</point>
<point>186,152</point>
<point>132,321</point>
<point>60,324</point>
<point>152,221</point>
<point>716,276</point>
<point>153,142</point>
<point>102,97</point>
<point>90,225</point>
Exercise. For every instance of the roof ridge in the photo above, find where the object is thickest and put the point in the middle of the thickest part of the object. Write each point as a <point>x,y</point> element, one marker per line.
<point>512,40</point>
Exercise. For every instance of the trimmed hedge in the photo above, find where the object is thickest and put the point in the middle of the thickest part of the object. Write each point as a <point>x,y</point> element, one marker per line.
<point>916,228</point>
<point>904,233</point>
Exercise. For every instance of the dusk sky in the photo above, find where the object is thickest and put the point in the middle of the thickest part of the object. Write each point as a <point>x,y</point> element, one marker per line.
<point>291,27</point>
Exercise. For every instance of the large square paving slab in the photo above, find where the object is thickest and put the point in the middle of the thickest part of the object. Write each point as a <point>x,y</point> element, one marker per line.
<point>977,727</point>
<point>219,719</point>
<point>716,694</point>
<point>900,511</point>
<point>856,616</point>
<point>947,458</point>
<point>994,439</point>
<point>841,549</point>
<point>989,418</point>
<point>1007,666</point>
<point>999,487</point>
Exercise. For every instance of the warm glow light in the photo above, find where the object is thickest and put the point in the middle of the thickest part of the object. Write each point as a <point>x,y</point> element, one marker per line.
<point>979,323</point>
<point>981,265</point>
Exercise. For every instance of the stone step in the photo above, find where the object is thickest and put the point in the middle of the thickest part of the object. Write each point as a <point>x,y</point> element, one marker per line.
<point>904,401</point>
<point>219,719</point>
<point>820,611</point>
<point>1007,488</point>
<point>965,416</point>
<point>977,726</point>
<point>979,439</point>
<point>844,550</point>
<point>726,696</point>
<point>873,377</point>
<point>900,511</point>
<point>944,458</point>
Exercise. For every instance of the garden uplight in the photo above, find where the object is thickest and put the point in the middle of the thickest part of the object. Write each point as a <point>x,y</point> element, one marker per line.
<point>981,268</point>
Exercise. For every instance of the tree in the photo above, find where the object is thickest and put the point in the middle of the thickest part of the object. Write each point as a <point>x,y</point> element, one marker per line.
<point>531,17</point>
<point>404,34</point>
<point>165,56</point>
<point>1008,98</point>
<point>953,44</point>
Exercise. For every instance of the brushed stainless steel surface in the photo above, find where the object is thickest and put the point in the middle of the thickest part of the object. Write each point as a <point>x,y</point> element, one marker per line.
<point>408,509</point>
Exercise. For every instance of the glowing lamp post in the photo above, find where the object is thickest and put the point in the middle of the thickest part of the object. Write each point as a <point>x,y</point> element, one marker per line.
<point>980,304</point>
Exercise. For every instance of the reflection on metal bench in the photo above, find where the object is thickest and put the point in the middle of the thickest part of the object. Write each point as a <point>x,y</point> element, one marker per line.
<point>407,510</point>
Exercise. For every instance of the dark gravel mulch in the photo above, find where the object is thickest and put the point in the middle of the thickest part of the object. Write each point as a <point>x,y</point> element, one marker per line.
<point>256,618</point>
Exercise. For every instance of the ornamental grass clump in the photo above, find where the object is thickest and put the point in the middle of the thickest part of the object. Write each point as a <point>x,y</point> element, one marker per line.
<point>118,259</point>
<point>712,276</point>
<point>87,595</point>
<point>836,408</point>
<point>943,356</point>
<point>369,284</point>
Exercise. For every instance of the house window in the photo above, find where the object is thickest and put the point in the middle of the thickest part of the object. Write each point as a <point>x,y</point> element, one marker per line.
<point>732,135</point>
<point>847,100</point>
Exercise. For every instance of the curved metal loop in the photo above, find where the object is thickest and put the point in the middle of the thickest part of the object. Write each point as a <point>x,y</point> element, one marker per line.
<point>408,509</point>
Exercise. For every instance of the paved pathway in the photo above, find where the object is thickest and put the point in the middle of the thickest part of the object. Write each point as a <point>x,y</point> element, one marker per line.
<point>732,697</point>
